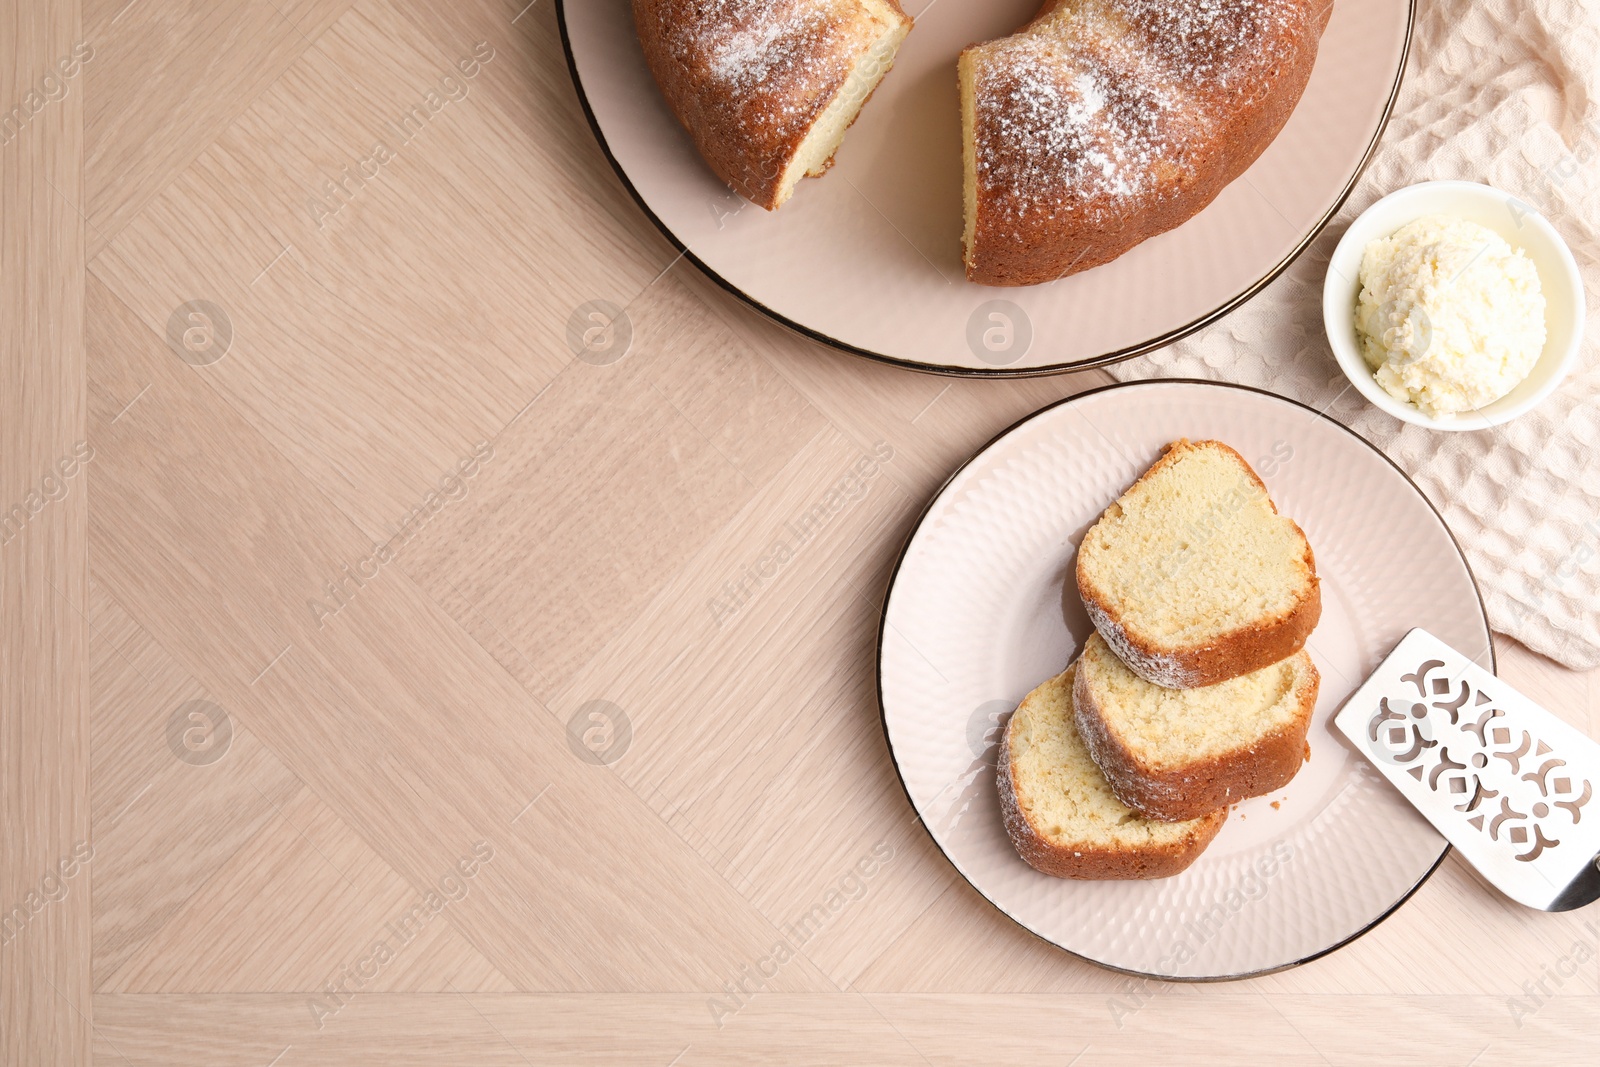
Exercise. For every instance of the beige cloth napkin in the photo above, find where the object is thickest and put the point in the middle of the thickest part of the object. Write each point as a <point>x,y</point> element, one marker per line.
<point>1505,92</point>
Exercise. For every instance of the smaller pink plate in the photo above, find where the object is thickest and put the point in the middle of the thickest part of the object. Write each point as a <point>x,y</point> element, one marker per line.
<point>983,606</point>
<point>868,257</point>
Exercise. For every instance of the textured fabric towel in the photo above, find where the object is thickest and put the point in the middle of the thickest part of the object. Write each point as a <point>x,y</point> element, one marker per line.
<point>1505,92</point>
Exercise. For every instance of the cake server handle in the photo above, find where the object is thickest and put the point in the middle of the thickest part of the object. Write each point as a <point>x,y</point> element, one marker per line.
<point>1584,889</point>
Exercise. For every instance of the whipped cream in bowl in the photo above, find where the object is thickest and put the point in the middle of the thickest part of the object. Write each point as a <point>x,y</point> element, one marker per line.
<point>1453,305</point>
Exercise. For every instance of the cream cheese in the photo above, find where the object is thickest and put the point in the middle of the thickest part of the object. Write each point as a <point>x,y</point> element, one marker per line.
<point>1450,317</point>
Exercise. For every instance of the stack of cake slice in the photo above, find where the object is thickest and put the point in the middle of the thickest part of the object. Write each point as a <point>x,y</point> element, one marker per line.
<point>1195,691</point>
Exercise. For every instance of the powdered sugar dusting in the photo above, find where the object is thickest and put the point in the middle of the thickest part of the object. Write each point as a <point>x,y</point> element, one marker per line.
<point>1169,672</point>
<point>1220,43</point>
<point>1095,106</point>
<point>1048,131</point>
<point>759,71</point>
<point>744,41</point>
<point>1091,97</point>
<point>766,58</point>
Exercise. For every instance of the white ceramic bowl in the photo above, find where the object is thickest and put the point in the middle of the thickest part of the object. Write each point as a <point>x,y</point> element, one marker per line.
<point>1523,228</point>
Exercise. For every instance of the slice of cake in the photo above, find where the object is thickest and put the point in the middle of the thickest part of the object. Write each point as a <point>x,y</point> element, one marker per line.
<point>1177,754</point>
<point>767,88</point>
<point>1192,576</point>
<point>1060,811</point>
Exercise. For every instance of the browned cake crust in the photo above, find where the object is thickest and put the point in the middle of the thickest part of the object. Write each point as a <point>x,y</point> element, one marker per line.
<point>1201,786</point>
<point>749,78</point>
<point>1241,651</point>
<point>1106,122</point>
<point>1095,864</point>
<point>1088,863</point>
<point>1230,655</point>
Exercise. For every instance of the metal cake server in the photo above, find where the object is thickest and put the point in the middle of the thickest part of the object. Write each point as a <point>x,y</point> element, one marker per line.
<point>1510,785</point>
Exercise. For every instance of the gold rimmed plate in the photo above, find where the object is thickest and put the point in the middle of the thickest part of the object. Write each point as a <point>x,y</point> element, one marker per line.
<point>868,257</point>
<point>983,606</point>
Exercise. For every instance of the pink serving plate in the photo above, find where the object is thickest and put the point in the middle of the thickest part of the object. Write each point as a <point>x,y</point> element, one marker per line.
<point>868,257</point>
<point>984,606</point>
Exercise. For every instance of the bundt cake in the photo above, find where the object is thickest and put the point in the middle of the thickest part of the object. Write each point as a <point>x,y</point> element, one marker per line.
<point>1105,122</point>
<point>767,88</point>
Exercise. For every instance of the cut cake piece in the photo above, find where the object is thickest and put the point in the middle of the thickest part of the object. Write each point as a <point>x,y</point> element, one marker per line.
<point>1192,576</point>
<point>1177,754</point>
<point>767,88</point>
<point>1060,811</point>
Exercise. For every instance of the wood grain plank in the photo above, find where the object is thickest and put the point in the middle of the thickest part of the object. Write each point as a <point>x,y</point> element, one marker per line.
<point>45,976</point>
<point>172,837</point>
<point>134,688</point>
<point>430,265</point>
<point>1190,1024</point>
<point>612,480</point>
<point>962,943</point>
<point>756,711</point>
<point>935,423</point>
<point>393,716</point>
<point>162,827</point>
<point>165,78</point>
<point>228,875</point>
<point>395,1030</point>
<point>1226,1024</point>
<point>305,903</point>
<point>535,94</point>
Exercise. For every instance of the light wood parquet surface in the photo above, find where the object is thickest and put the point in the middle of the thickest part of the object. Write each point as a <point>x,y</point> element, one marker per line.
<point>261,749</point>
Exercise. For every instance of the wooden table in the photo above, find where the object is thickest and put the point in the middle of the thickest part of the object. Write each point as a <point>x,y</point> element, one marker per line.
<point>518,787</point>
